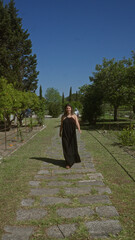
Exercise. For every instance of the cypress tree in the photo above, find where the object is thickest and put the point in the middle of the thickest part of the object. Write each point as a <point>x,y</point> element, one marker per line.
<point>70,94</point>
<point>63,99</point>
<point>40,92</point>
<point>17,64</point>
<point>76,96</point>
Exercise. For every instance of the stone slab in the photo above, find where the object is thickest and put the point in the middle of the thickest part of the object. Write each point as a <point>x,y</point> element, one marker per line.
<point>27,202</point>
<point>100,229</point>
<point>44,191</point>
<point>46,163</point>
<point>17,233</point>
<point>95,176</point>
<point>107,211</point>
<point>43,172</point>
<point>88,165</point>
<point>54,232</point>
<point>61,231</point>
<point>61,171</point>
<point>30,214</point>
<point>84,170</point>
<point>58,183</point>
<point>102,190</point>
<point>74,176</point>
<point>54,200</point>
<point>77,166</point>
<point>45,177</point>
<point>73,171</point>
<point>52,167</point>
<point>91,182</point>
<point>78,190</point>
<point>85,155</point>
<point>67,229</point>
<point>34,183</point>
<point>94,199</point>
<point>75,212</point>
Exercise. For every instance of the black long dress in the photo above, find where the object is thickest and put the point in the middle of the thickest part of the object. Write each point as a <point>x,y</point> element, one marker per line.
<point>69,142</point>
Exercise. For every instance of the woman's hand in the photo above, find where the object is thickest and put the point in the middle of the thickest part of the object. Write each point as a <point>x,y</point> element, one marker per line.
<point>77,123</point>
<point>60,134</point>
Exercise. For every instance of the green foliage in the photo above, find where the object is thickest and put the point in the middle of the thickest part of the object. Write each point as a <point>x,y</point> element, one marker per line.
<point>112,83</point>
<point>18,65</point>
<point>127,136</point>
<point>54,109</point>
<point>33,101</point>
<point>6,95</point>
<point>76,104</point>
<point>40,92</point>
<point>40,112</point>
<point>116,81</point>
<point>63,99</point>
<point>13,101</point>
<point>92,104</point>
<point>53,102</point>
<point>52,95</point>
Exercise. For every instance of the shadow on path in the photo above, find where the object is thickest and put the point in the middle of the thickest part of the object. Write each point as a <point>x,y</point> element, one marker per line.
<point>60,163</point>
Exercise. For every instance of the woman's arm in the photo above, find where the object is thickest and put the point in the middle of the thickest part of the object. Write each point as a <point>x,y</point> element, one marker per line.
<point>61,127</point>
<point>77,123</point>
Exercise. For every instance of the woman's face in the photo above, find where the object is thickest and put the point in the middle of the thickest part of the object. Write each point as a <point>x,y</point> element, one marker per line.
<point>68,109</point>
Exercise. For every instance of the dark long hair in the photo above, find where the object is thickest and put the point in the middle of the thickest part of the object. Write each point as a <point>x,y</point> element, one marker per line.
<point>65,112</point>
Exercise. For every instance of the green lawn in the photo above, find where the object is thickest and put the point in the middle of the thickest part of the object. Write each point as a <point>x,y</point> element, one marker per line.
<point>122,186</point>
<point>18,169</point>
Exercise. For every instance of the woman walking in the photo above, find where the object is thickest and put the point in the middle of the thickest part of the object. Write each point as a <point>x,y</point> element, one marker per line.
<point>69,122</point>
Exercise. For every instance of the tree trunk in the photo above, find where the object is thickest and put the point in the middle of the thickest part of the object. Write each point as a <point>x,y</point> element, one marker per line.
<point>115,113</point>
<point>8,125</point>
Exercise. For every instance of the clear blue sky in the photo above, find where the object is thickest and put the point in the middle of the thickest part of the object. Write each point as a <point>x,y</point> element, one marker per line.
<point>71,36</point>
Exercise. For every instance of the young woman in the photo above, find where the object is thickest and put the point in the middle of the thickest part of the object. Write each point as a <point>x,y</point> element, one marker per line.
<point>69,122</point>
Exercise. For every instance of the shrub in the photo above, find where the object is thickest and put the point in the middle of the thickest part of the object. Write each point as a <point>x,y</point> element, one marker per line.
<point>54,109</point>
<point>41,112</point>
<point>127,136</point>
<point>92,105</point>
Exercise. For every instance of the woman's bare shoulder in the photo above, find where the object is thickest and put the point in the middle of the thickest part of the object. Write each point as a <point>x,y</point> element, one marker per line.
<point>74,116</point>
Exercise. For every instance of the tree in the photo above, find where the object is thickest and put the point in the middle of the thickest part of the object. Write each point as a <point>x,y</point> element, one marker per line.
<point>40,92</point>
<point>92,104</point>
<point>63,98</point>
<point>76,96</point>
<point>52,95</point>
<point>40,112</point>
<point>63,101</point>
<point>70,94</point>
<point>6,99</point>
<point>82,91</point>
<point>53,101</point>
<point>130,81</point>
<point>11,100</point>
<point>18,65</point>
<point>110,77</point>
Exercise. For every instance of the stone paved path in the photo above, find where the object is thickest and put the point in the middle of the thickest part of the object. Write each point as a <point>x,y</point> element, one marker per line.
<point>65,200</point>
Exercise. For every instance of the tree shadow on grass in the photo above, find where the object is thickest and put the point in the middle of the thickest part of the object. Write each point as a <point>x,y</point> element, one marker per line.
<point>60,163</point>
